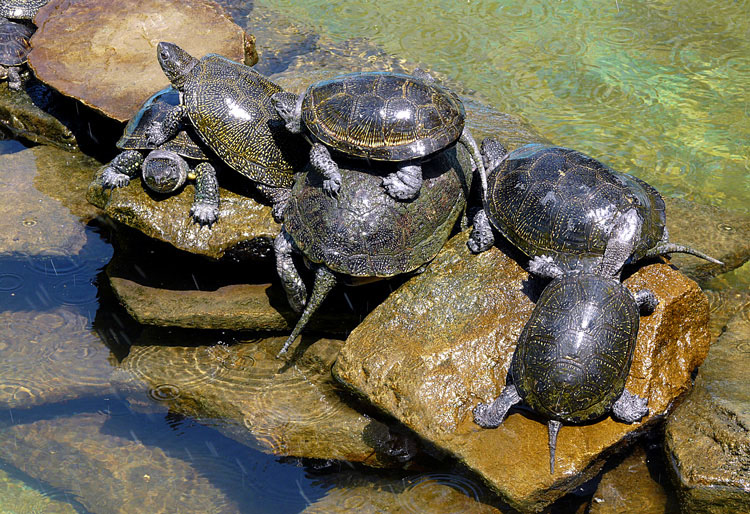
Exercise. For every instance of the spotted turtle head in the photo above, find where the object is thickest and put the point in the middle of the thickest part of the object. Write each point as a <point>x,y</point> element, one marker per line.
<point>175,62</point>
<point>164,171</point>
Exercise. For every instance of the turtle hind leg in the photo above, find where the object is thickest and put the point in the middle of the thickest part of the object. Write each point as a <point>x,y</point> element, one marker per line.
<point>325,280</point>
<point>159,132</point>
<point>490,415</point>
<point>405,183</point>
<point>646,301</point>
<point>553,427</point>
<point>14,78</point>
<point>481,237</point>
<point>205,209</point>
<point>279,198</point>
<point>122,168</point>
<point>320,159</point>
<point>630,407</point>
<point>294,287</point>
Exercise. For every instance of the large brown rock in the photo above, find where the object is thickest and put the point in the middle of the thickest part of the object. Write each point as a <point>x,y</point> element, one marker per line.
<point>442,343</point>
<point>103,52</point>
<point>293,410</point>
<point>708,435</point>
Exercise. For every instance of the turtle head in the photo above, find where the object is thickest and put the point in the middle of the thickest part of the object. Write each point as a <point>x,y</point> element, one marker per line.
<point>175,62</point>
<point>164,171</point>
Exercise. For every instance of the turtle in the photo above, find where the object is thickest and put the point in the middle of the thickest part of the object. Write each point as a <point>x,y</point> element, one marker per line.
<point>164,170</point>
<point>362,233</point>
<point>14,48</point>
<point>21,9</point>
<point>229,106</point>
<point>573,357</point>
<point>378,116</point>
<point>556,202</point>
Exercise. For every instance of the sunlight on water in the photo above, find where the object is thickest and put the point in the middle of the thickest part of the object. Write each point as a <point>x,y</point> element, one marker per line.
<point>658,89</point>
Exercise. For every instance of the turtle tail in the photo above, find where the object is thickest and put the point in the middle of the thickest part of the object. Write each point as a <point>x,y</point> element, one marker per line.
<point>553,427</point>
<point>664,248</point>
<point>325,280</point>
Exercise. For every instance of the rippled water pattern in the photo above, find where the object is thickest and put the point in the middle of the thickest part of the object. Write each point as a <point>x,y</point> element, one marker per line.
<point>655,88</point>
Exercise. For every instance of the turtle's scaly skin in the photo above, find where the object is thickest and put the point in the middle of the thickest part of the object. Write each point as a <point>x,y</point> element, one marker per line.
<point>14,42</point>
<point>229,104</point>
<point>20,9</point>
<point>574,354</point>
<point>383,116</point>
<point>561,203</point>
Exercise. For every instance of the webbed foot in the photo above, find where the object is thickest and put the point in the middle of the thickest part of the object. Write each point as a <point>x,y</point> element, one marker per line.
<point>405,183</point>
<point>491,415</point>
<point>204,213</point>
<point>321,160</point>
<point>630,407</point>
<point>481,238</point>
<point>112,178</point>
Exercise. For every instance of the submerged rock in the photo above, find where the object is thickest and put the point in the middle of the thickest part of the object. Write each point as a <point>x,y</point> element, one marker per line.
<point>293,410</point>
<point>723,305</point>
<point>103,52</point>
<point>708,435</point>
<point>17,496</point>
<point>442,343</point>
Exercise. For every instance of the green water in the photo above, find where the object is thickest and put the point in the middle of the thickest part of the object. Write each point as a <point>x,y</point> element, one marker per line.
<point>658,89</point>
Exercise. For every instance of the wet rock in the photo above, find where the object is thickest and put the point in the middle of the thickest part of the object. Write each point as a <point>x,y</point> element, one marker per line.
<point>436,493</point>
<point>630,488</point>
<point>17,496</point>
<point>293,410</point>
<point>708,436</point>
<point>108,467</point>
<point>48,357</point>
<point>245,229</point>
<point>104,52</point>
<point>723,305</point>
<point>443,342</point>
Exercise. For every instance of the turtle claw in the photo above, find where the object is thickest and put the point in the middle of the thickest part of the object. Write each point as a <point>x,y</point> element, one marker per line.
<point>332,185</point>
<point>155,134</point>
<point>204,214</point>
<point>397,189</point>
<point>112,179</point>
<point>487,417</point>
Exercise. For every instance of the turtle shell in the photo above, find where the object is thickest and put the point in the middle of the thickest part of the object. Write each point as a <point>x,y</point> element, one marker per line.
<point>20,9</point>
<point>134,137</point>
<point>554,201</point>
<point>574,354</point>
<point>383,116</point>
<point>364,232</point>
<point>230,107</point>
<point>14,42</point>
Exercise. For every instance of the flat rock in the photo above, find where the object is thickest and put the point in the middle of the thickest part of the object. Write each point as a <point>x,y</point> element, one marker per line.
<point>17,496</point>
<point>708,436</point>
<point>103,52</point>
<point>293,410</point>
<point>442,343</point>
<point>48,357</point>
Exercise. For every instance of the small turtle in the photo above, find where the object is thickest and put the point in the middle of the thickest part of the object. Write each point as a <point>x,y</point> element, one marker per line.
<point>229,105</point>
<point>556,202</point>
<point>574,354</point>
<point>14,48</point>
<point>378,116</point>
<point>164,170</point>
<point>363,232</point>
<point>20,9</point>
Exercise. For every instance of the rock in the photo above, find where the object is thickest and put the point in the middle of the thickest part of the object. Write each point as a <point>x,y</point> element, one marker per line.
<point>107,467</point>
<point>48,357</point>
<point>282,409</point>
<point>19,497</point>
<point>103,52</point>
<point>436,493</point>
<point>442,343</point>
<point>723,305</point>
<point>245,229</point>
<point>708,436</point>
<point>630,488</point>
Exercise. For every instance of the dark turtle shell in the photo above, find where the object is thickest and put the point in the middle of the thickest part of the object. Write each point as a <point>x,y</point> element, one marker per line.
<point>185,143</point>
<point>364,232</point>
<point>20,9</point>
<point>554,201</point>
<point>230,107</point>
<point>14,42</point>
<point>574,354</point>
<point>383,116</point>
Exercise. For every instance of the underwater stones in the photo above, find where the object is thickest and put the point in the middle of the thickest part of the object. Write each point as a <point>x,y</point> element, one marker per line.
<point>708,436</point>
<point>103,52</point>
<point>48,357</point>
<point>18,496</point>
<point>442,343</point>
<point>292,410</point>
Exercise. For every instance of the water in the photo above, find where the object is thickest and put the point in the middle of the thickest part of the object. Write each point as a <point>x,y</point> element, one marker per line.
<point>658,89</point>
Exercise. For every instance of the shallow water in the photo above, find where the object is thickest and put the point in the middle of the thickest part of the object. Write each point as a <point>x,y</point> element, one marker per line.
<point>658,89</point>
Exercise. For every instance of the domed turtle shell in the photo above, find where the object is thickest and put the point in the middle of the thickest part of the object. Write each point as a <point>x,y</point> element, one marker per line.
<point>574,354</point>
<point>554,201</point>
<point>383,116</point>
<point>364,232</point>
<point>185,143</point>
<point>14,42</point>
<point>230,107</point>
<point>20,9</point>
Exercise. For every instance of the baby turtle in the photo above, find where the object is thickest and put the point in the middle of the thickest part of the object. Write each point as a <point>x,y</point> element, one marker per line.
<point>229,105</point>
<point>560,203</point>
<point>21,9</point>
<point>14,48</point>
<point>574,354</point>
<point>378,116</point>
<point>164,169</point>
<point>363,233</point>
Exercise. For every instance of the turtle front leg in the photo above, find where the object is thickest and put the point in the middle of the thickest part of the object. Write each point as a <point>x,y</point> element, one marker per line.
<point>405,183</point>
<point>490,415</point>
<point>289,107</point>
<point>296,292</point>
<point>159,132</point>
<point>630,407</point>
<point>122,168</point>
<point>481,237</point>
<point>321,160</point>
<point>14,78</point>
<point>279,198</point>
<point>205,209</point>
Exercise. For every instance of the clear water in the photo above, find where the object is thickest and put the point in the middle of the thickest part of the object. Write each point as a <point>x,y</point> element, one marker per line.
<point>657,88</point>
